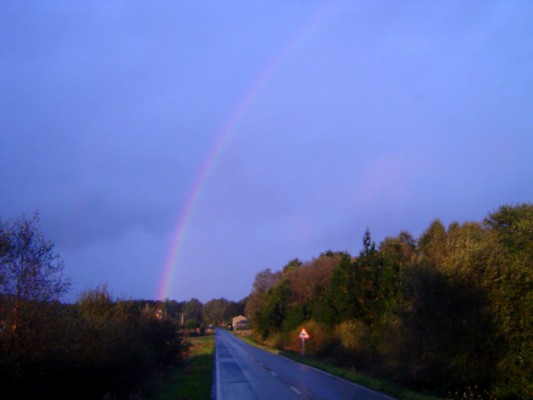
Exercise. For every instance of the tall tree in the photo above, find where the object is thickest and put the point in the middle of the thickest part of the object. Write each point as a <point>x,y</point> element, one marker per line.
<point>432,244</point>
<point>263,282</point>
<point>30,269</point>
<point>274,311</point>
<point>509,281</point>
<point>396,254</point>
<point>375,282</point>
<point>342,296</point>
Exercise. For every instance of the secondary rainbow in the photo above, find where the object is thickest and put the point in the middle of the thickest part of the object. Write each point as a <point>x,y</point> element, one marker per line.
<point>187,212</point>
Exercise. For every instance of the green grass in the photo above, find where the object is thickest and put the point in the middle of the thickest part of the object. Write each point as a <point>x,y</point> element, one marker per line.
<point>349,374</point>
<point>193,380</point>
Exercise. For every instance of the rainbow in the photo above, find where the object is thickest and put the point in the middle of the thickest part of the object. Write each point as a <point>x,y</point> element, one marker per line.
<point>185,217</point>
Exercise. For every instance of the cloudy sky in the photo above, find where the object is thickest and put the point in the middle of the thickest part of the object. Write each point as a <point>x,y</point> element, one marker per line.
<point>177,148</point>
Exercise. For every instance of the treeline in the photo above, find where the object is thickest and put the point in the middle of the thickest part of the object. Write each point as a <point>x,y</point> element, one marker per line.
<point>449,310</point>
<point>96,348</point>
<point>195,316</point>
<point>93,349</point>
<point>99,347</point>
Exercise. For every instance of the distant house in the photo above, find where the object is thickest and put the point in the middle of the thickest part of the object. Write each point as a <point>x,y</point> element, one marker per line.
<point>239,322</point>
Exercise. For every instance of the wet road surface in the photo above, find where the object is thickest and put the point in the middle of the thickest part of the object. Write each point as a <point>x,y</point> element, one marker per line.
<point>246,372</point>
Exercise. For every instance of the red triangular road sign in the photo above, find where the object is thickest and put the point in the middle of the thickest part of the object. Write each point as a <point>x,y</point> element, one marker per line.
<point>303,334</point>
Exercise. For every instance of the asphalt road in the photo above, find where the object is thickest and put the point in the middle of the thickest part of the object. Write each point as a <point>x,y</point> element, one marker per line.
<point>246,372</point>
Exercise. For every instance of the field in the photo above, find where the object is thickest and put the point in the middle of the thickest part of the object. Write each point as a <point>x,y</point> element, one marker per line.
<point>193,380</point>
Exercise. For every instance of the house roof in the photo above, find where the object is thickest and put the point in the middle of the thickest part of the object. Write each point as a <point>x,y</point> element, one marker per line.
<point>239,318</point>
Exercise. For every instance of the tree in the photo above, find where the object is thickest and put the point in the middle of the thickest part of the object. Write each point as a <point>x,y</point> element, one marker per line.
<point>514,227</point>
<point>432,244</point>
<point>308,284</point>
<point>354,290</point>
<point>399,250</point>
<point>274,310</point>
<point>341,300</point>
<point>509,281</point>
<point>216,311</point>
<point>369,247</point>
<point>96,305</point>
<point>236,308</point>
<point>263,282</point>
<point>30,270</point>
<point>292,265</point>
<point>193,313</point>
<point>31,283</point>
<point>396,254</point>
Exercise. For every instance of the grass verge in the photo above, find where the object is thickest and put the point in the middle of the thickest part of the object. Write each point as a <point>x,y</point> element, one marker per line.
<point>193,380</point>
<point>349,374</point>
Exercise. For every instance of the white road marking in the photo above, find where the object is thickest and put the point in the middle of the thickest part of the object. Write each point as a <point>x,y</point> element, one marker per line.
<point>273,373</point>
<point>296,390</point>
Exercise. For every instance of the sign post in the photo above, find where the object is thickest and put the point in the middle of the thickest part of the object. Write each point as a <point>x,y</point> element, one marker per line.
<point>303,336</point>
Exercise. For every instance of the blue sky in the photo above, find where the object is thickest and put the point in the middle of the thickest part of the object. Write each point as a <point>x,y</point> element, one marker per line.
<point>344,115</point>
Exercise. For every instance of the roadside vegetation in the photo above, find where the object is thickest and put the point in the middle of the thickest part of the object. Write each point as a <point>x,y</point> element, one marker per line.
<point>449,313</point>
<point>98,347</point>
<point>193,378</point>
<point>350,374</point>
<point>106,348</point>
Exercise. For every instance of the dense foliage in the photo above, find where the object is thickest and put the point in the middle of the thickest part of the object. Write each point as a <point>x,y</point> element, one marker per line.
<point>97,347</point>
<point>450,310</point>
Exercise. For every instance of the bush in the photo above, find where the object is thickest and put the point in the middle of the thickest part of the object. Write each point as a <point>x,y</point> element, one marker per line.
<point>100,346</point>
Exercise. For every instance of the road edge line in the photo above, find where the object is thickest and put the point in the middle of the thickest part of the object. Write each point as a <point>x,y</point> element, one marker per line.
<point>217,372</point>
